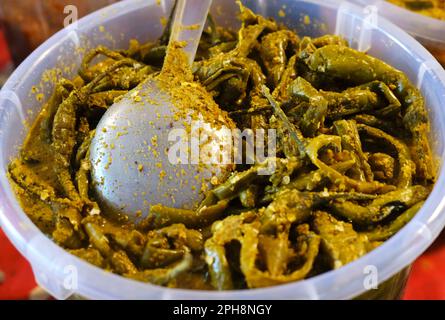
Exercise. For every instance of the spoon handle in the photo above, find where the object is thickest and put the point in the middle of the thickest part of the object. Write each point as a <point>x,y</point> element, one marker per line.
<point>189,20</point>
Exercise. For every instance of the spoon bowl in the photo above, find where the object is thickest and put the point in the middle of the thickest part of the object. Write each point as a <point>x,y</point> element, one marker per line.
<point>133,163</point>
<point>136,155</point>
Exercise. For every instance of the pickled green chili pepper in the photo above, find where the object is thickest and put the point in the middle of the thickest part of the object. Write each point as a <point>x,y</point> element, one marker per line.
<point>25,177</point>
<point>393,104</point>
<point>256,278</point>
<point>162,276</point>
<point>164,216</point>
<point>46,117</point>
<point>289,74</point>
<point>431,8</point>
<point>219,268</point>
<point>388,126</point>
<point>340,247</point>
<point>276,252</point>
<point>381,207</point>
<point>168,245</point>
<point>64,129</point>
<point>223,232</point>
<point>419,4</point>
<point>274,55</point>
<point>90,255</point>
<point>406,166</point>
<point>357,67</point>
<point>104,99</point>
<point>318,178</point>
<point>124,79</point>
<point>295,136</point>
<point>65,235</point>
<point>101,50</point>
<point>322,140</point>
<point>248,197</point>
<point>383,166</point>
<point>98,239</point>
<point>374,97</point>
<point>317,109</point>
<point>350,140</point>
<point>382,233</point>
<point>290,206</point>
<point>238,182</point>
<point>84,148</point>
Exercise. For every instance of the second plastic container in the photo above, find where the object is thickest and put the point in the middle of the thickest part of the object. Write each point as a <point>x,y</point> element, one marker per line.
<point>428,31</point>
<point>64,275</point>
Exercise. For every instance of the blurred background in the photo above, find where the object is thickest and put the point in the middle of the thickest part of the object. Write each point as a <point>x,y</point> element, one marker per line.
<point>24,24</point>
<point>27,23</point>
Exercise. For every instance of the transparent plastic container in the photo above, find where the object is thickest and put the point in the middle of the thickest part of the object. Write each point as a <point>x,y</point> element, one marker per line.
<point>428,31</point>
<point>55,269</point>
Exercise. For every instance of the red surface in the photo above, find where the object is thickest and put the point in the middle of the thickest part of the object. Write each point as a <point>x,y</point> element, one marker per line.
<point>4,53</point>
<point>427,279</point>
<point>19,279</point>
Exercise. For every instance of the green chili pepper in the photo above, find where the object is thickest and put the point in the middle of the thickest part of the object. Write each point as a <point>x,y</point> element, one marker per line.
<point>384,232</point>
<point>381,207</point>
<point>351,65</point>
<point>339,241</point>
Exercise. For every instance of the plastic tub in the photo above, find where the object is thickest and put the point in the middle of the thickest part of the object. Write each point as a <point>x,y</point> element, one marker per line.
<point>428,31</point>
<point>64,275</point>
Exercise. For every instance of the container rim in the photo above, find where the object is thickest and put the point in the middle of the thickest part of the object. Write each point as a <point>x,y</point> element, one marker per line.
<point>346,282</point>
